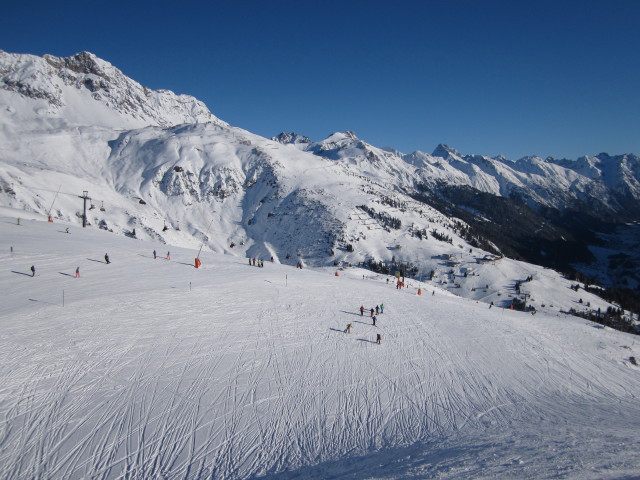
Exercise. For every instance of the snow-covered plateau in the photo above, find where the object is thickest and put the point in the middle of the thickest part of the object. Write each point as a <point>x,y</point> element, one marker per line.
<point>150,368</point>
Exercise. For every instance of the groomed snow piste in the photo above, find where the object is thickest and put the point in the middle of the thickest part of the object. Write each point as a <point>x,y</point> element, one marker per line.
<point>155,369</point>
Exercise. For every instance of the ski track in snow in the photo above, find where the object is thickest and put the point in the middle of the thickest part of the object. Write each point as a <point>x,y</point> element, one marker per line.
<point>140,377</point>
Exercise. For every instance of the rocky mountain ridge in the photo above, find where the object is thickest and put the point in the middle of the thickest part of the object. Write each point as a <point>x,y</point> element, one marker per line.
<point>91,78</point>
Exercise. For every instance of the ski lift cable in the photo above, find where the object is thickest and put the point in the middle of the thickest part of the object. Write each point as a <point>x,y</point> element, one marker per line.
<point>54,201</point>
<point>206,233</point>
<point>58,192</point>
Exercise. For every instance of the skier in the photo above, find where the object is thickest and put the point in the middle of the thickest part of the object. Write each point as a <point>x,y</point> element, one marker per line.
<point>168,256</point>
<point>381,308</point>
<point>106,259</point>
<point>154,255</point>
<point>348,329</point>
<point>249,262</point>
<point>371,313</point>
<point>361,310</point>
<point>77,272</point>
<point>374,320</point>
<point>378,339</point>
<point>377,309</point>
<point>66,230</point>
<point>33,271</point>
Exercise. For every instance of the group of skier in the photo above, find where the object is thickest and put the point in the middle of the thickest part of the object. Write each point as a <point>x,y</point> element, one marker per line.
<point>155,255</point>
<point>377,310</point>
<point>257,262</point>
<point>106,260</point>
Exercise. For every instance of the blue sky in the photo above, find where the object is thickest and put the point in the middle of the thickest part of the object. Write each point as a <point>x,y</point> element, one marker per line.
<point>559,78</point>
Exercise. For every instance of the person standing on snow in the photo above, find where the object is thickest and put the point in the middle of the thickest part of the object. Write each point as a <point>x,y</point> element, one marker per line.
<point>371,313</point>
<point>168,256</point>
<point>381,308</point>
<point>106,259</point>
<point>378,339</point>
<point>348,329</point>
<point>361,310</point>
<point>154,255</point>
<point>377,309</point>
<point>373,319</point>
<point>33,271</point>
<point>77,272</point>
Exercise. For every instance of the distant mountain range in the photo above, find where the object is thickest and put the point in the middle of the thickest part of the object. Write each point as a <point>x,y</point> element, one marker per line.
<point>164,166</point>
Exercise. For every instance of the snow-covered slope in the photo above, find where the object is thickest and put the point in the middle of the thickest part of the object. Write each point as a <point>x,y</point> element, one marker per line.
<point>150,368</point>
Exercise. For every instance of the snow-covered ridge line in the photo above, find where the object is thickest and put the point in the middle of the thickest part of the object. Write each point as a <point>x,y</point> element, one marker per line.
<point>62,82</point>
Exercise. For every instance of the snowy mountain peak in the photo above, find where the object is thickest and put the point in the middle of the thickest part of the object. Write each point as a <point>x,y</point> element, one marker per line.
<point>446,152</point>
<point>86,90</point>
<point>83,62</point>
<point>347,136</point>
<point>287,138</point>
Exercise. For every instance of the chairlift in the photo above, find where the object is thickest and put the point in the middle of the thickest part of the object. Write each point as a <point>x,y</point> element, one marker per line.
<point>92,207</point>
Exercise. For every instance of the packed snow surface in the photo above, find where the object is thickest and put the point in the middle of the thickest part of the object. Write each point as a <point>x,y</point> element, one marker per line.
<point>150,368</point>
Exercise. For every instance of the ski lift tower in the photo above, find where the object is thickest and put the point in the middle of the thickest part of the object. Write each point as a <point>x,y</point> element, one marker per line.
<point>85,197</point>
